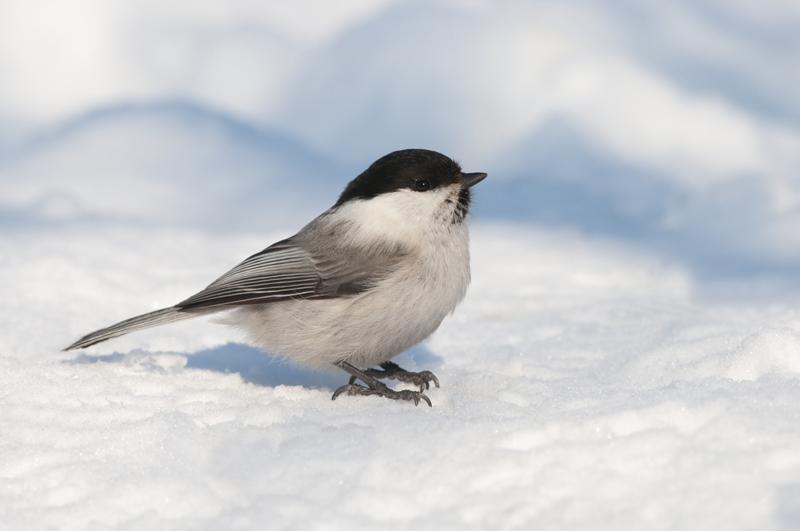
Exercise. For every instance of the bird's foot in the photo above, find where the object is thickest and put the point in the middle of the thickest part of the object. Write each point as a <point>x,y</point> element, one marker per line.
<point>393,371</point>
<point>380,389</point>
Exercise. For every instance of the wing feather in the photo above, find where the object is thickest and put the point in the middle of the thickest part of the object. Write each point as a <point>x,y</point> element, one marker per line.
<point>301,267</point>
<point>296,269</point>
<point>279,272</point>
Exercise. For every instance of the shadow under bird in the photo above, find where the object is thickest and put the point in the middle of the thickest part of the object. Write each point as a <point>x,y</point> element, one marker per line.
<point>369,278</point>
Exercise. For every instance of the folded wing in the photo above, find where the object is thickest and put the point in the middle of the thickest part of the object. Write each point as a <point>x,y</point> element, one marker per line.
<point>281,271</point>
<point>289,269</point>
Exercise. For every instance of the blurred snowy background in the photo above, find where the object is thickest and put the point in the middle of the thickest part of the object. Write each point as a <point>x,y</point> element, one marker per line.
<point>672,124</point>
<point>628,355</point>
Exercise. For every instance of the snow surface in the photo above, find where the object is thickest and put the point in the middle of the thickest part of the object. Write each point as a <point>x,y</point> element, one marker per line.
<point>582,387</point>
<point>628,355</point>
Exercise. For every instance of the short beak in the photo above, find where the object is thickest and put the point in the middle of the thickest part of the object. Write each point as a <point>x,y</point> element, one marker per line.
<point>471,179</point>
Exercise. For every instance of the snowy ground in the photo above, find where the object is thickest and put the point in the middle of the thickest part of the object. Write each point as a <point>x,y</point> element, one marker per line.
<point>628,356</point>
<point>582,387</point>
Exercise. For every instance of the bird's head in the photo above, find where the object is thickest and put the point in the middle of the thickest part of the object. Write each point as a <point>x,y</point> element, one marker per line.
<point>414,187</point>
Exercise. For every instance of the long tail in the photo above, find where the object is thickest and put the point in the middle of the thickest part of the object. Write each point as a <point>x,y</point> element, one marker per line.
<point>148,320</point>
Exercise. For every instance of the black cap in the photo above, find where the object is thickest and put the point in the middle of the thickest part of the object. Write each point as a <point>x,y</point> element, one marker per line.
<point>404,169</point>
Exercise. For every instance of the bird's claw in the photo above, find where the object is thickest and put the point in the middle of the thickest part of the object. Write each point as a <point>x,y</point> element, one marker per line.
<point>353,389</point>
<point>393,371</point>
<point>421,379</point>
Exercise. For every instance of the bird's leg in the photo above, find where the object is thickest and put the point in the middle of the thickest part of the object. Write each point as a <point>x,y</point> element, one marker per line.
<point>374,386</point>
<point>393,371</point>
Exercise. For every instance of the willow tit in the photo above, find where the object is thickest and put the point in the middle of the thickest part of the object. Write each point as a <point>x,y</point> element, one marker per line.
<point>369,278</point>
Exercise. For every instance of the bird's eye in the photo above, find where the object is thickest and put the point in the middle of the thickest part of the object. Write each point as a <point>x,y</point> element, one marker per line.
<point>422,186</point>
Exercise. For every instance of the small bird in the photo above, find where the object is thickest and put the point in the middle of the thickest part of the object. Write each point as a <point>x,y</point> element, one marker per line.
<point>369,278</point>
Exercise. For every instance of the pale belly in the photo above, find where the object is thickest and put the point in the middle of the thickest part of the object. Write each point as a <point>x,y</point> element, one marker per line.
<point>367,329</point>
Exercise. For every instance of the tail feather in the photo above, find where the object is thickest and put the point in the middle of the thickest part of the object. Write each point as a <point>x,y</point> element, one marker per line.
<point>148,320</point>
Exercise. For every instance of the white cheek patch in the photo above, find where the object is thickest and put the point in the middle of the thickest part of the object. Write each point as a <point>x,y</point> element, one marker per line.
<point>399,216</point>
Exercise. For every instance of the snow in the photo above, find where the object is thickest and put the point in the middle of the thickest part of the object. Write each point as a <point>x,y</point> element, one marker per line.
<point>582,386</point>
<point>627,357</point>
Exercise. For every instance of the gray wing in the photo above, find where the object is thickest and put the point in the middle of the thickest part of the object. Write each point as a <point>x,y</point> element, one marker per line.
<point>279,272</point>
<point>296,269</point>
<point>302,267</point>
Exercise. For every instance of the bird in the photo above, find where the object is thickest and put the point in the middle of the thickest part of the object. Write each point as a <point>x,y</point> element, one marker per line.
<point>369,278</point>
